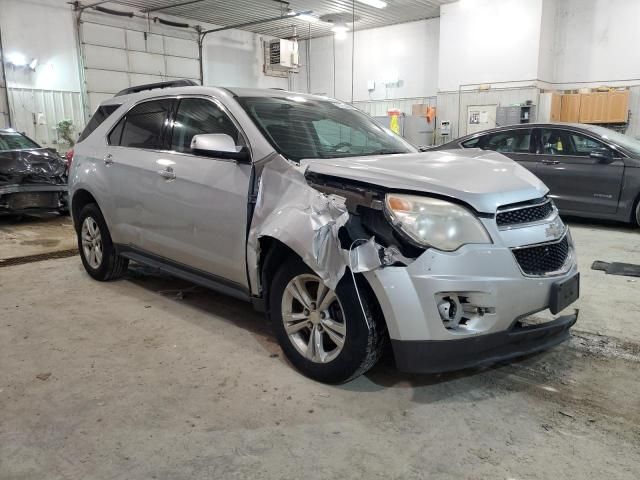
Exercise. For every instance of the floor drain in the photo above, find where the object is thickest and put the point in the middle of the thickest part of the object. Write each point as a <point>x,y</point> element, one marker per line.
<point>9,262</point>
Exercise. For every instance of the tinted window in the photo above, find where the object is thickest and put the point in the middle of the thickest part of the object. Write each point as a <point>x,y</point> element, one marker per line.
<point>15,141</point>
<point>102,113</point>
<point>471,143</point>
<point>144,124</point>
<point>198,116</point>
<point>305,127</point>
<point>565,142</point>
<point>517,141</point>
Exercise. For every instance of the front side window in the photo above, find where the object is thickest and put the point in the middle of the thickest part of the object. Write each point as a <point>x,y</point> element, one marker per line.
<point>198,116</point>
<point>143,125</point>
<point>15,141</point>
<point>517,141</point>
<point>302,127</point>
<point>565,142</point>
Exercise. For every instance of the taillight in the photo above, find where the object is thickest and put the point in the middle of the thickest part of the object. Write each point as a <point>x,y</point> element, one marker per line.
<point>69,158</point>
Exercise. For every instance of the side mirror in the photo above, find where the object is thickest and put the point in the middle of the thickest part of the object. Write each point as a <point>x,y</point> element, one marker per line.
<point>602,153</point>
<point>218,145</point>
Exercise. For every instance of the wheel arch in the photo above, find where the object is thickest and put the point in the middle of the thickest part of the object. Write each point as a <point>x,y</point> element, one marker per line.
<point>80,199</point>
<point>273,254</point>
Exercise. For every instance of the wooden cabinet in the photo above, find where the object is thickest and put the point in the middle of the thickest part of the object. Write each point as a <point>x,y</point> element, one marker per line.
<point>570,107</point>
<point>594,107</point>
<point>556,107</point>
<point>618,106</point>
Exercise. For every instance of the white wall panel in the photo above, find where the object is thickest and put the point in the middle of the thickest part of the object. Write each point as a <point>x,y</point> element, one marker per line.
<point>105,58</point>
<point>182,67</point>
<point>107,81</point>
<point>149,63</point>
<point>180,47</point>
<point>104,35</point>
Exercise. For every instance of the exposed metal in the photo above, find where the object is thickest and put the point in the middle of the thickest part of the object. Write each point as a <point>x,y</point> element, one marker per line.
<point>225,13</point>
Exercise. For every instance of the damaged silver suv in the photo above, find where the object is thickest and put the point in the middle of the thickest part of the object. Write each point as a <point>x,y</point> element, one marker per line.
<point>344,234</point>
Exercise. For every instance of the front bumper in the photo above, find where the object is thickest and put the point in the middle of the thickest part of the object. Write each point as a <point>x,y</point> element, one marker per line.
<point>490,283</point>
<point>34,198</point>
<point>429,356</point>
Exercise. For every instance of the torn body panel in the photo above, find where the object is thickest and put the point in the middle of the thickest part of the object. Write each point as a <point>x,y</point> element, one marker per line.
<point>322,227</point>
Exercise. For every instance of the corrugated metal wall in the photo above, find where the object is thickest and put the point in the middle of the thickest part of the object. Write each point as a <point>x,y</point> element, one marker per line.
<point>37,112</point>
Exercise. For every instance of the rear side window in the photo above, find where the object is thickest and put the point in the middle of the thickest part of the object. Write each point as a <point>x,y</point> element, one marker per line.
<point>197,116</point>
<point>102,113</point>
<point>518,141</point>
<point>143,125</point>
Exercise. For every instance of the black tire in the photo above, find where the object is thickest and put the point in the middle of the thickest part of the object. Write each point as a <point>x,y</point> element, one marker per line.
<point>363,345</point>
<point>112,266</point>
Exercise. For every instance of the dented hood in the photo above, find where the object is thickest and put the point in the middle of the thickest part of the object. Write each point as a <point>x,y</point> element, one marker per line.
<point>39,166</point>
<point>484,180</point>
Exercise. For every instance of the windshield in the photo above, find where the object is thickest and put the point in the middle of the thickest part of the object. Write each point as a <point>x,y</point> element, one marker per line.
<point>625,141</point>
<point>301,127</point>
<point>15,141</point>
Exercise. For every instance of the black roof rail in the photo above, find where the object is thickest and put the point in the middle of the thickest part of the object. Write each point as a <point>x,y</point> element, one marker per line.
<point>153,86</point>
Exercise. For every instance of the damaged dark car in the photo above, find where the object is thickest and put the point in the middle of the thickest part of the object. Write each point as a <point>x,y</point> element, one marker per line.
<point>33,179</point>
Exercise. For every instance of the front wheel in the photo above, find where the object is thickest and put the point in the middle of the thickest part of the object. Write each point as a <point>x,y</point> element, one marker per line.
<point>324,333</point>
<point>97,252</point>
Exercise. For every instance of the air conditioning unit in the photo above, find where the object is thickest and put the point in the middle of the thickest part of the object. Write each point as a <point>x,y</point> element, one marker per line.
<point>281,57</point>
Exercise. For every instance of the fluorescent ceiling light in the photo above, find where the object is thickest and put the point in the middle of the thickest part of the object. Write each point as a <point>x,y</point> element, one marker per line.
<point>308,18</point>
<point>340,29</point>
<point>374,3</point>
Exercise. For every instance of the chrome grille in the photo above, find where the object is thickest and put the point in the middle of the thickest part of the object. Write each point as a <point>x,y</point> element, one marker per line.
<point>543,259</point>
<point>526,214</point>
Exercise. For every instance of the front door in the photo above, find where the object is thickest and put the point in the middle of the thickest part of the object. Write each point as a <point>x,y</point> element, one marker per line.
<point>199,204</point>
<point>578,181</point>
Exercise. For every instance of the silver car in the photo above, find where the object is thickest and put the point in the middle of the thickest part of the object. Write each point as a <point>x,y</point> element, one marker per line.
<point>345,235</point>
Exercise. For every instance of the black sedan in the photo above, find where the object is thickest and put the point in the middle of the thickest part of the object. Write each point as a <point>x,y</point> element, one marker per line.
<point>591,171</point>
<point>32,179</point>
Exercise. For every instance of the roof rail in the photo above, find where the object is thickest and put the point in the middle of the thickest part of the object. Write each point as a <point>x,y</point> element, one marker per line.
<point>153,86</point>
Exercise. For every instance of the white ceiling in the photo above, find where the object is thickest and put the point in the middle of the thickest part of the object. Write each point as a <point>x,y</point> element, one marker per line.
<point>234,12</point>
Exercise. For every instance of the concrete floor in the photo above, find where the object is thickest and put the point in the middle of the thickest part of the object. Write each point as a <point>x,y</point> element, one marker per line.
<point>32,235</point>
<point>133,379</point>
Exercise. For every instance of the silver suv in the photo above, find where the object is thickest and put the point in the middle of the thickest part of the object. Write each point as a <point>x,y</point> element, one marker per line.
<point>344,234</point>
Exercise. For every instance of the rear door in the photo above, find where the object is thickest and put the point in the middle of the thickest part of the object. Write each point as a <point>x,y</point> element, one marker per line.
<point>516,144</point>
<point>577,181</point>
<point>198,205</point>
<point>129,166</point>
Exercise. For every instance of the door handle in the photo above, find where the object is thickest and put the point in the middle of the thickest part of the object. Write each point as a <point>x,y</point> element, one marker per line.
<point>167,173</point>
<point>108,160</point>
<point>550,162</point>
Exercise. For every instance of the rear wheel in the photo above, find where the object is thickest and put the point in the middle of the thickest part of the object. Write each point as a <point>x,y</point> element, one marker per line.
<point>98,255</point>
<point>324,332</point>
<point>637,213</point>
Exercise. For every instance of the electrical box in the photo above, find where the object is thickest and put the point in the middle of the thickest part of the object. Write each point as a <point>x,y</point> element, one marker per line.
<point>281,57</point>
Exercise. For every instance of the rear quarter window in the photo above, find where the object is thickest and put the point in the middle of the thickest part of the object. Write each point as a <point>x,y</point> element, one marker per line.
<point>102,113</point>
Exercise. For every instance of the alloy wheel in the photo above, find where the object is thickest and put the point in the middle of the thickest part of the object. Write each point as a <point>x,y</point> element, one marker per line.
<point>91,242</point>
<point>313,318</point>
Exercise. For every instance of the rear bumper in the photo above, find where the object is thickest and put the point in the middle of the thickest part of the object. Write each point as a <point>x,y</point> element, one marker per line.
<point>433,356</point>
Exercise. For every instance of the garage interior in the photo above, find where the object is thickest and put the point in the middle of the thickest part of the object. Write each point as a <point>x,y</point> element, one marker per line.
<point>154,377</point>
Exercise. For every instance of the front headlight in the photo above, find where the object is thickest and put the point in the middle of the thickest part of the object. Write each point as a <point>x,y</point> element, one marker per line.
<point>434,222</point>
